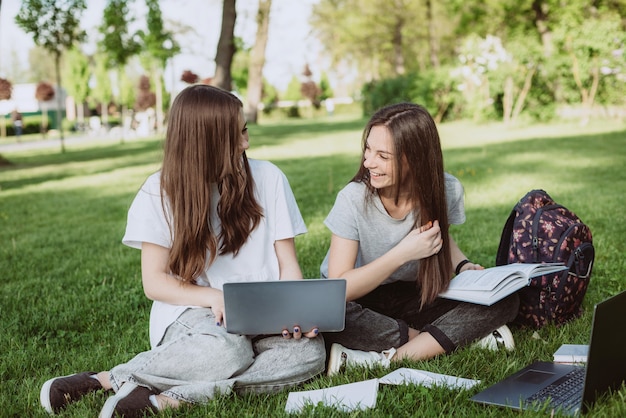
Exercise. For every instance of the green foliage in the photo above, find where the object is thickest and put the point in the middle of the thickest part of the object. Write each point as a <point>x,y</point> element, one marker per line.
<point>117,43</point>
<point>434,90</point>
<point>293,91</point>
<point>325,87</point>
<point>269,97</point>
<point>561,53</point>
<point>54,25</point>
<point>71,297</point>
<point>377,94</point>
<point>30,125</point>
<point>240,66</point>
<point>371,34</point>
<point>159,45</point>
<point>77,75</point>
<point>102,91</point>
<point>128,89</point>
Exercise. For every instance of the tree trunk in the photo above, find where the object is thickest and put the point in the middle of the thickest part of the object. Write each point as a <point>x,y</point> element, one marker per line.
<point>44,119</point>
<point>507,99</point>
<point>225,47</point>
<point>158,87</point>
<point>257,61</point>
<point>541,22</point>
<point>521,99</point>
<point>57,67</point>
<point>397,40</point>
<point>433,46</point>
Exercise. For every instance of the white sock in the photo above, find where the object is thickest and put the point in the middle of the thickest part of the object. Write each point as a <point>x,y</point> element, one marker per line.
<point>153,401</point>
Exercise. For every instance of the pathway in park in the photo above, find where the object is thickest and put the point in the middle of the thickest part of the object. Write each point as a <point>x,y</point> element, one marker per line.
<point>54,143</point>
<point>38,144</point>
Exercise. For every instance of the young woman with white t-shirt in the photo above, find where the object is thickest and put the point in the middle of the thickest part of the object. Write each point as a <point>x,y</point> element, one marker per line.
<point>208,217</point>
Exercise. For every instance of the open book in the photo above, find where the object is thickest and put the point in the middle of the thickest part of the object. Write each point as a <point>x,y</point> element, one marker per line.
<point>488,286</point>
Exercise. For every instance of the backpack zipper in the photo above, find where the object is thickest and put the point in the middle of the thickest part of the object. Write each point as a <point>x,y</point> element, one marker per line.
<point>535,229</point>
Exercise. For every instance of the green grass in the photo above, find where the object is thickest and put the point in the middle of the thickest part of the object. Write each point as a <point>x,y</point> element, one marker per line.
<point>71,296</point>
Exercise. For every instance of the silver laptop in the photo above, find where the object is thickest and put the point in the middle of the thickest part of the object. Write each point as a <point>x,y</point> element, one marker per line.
<point>570,389</point>
<point>253,308</point>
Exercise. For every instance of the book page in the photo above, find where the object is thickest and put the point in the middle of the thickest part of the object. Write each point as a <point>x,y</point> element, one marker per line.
<point>347,398</point>
<point>490,278</point>
<point>405,376</point>
<point>484,280</point>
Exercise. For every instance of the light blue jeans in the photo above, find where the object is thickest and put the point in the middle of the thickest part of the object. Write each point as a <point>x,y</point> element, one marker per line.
<point>197,360</point>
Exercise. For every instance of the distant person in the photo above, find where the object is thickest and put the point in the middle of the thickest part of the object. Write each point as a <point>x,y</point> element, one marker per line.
<point>16,118</point>
<point>208,217</point>
<point>390,241</point>
<point>330,106</point>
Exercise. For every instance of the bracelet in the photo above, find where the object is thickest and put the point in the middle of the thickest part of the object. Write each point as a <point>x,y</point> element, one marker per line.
<point>457,270</point>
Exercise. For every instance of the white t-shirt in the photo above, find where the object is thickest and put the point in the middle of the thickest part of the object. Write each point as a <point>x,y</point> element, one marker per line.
<point>256,260</point>
<point>376,231</point>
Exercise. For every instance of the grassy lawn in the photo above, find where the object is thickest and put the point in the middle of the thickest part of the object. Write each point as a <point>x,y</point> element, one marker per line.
<point>71,296</point>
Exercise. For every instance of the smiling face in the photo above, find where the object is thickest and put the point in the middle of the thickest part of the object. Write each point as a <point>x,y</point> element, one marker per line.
<point>380,158</point>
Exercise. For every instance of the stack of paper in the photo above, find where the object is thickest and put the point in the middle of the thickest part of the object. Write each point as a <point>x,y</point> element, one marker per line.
<point>350,397</point>
<point>362,395</point>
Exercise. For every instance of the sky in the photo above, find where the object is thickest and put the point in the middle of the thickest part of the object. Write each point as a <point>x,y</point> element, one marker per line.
<point>289,48</point>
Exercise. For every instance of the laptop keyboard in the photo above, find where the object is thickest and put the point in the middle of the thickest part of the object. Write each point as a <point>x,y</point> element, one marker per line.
<point>565,392</point>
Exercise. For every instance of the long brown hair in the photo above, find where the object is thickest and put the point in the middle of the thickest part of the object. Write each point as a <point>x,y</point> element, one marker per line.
<point>415,137</point>
<point>202,153</point>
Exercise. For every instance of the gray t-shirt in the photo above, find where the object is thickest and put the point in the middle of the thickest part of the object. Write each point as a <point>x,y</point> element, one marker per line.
<point>376,231</point>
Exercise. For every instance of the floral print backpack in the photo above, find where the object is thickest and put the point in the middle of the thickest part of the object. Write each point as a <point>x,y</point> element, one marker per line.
<point>539,230</point>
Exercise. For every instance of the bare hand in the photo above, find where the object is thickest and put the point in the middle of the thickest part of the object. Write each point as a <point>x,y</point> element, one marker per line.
<point>422,242</point>
<point>297,333</point>
<point>472,266</point>
<point>217,306</point>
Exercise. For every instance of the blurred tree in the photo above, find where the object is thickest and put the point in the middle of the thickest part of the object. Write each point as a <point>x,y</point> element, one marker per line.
<point>102,91</point>
<point>6,89</point>
<point>40,65</point>
<point>77,73</point>
<point>117,45</point>
<point>225,47</point>
<point>159,46</point>
<point>55,25</point>
<point>16,71</point>
<point>257,62</point>
<point>382,39</point>
<point>189,77</point>
<point>127,94</point>
<point>240,68</point>
<point>44,92</point>
<point>309,88</point>
<point>145,97</point>
<point>594,46</point>
<point>293,91</point>
<point>326,90</point>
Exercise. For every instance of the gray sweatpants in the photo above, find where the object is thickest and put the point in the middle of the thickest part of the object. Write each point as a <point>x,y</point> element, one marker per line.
<point>198,360</point>
<point>380,320</point>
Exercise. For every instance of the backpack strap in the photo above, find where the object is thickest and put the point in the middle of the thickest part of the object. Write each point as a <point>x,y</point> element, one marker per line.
<point>502,256</point>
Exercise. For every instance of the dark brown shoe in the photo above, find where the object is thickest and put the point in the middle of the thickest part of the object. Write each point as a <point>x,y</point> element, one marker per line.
<point>131,401</point>
<point>59,392</point>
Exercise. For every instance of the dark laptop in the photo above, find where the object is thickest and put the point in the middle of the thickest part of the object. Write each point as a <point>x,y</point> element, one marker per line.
<point>570,389</point>
<point>254,308</point>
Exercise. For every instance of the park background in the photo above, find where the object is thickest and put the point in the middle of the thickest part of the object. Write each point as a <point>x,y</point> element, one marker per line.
<point>527,94</point>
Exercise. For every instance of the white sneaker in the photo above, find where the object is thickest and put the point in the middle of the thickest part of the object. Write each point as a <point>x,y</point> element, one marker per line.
<point>341,356</point>
<point>501,337</point>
